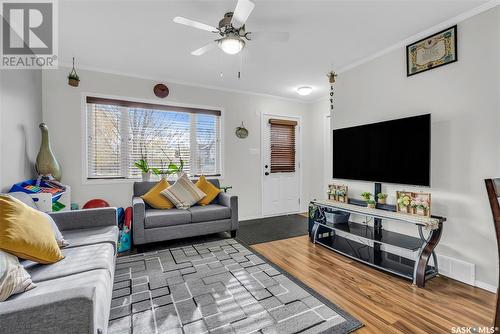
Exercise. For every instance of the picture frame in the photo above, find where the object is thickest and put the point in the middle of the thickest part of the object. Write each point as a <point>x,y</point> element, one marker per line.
<point>432,51</point>
<point>338,193</point>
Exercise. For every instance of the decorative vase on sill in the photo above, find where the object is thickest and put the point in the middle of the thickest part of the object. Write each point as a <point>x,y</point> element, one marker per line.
<point>146,177</point>
<point>382,201</point>
<point>46,162</point>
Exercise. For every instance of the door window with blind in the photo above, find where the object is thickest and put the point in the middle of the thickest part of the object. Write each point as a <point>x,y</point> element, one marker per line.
<point>119,133</point>
<point>282,144</point>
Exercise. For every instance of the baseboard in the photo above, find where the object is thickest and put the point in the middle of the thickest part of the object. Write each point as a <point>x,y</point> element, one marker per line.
<point>250,218</point>
<point>485,286</point>
<point>269,216</point>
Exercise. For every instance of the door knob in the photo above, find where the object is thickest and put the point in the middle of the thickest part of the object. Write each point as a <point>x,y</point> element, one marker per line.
<point>266,173</point>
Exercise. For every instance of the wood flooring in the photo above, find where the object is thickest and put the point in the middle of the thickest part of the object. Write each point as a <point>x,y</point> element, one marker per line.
<point>382,302</point>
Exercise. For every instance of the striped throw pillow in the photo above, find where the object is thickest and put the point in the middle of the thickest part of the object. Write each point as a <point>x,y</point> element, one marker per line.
<point>183,193</point>
<point>13,277</point>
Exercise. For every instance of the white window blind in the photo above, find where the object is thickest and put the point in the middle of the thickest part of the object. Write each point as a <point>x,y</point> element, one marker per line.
<point>119,133</point>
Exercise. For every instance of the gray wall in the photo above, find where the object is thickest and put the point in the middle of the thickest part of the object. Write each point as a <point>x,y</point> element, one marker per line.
<point>20,114</point>
<point>463,99</point>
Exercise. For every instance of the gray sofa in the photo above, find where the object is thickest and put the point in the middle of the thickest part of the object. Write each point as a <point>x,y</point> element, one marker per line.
<point>74,294</point>
<point>152,225</point>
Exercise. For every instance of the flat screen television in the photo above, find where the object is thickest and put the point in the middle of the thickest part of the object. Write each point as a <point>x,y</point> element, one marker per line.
<point>396,151</point>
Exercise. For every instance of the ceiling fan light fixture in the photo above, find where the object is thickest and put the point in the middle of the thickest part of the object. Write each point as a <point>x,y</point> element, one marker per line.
<point>304,90</point>
<point>231,44</point>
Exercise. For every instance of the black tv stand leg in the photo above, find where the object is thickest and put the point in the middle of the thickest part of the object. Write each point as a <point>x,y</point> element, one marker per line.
<point>377,223</point>
<point>421,266</point>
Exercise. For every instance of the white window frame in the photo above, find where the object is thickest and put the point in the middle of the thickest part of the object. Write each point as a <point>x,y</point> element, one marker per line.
<point>84,135</point>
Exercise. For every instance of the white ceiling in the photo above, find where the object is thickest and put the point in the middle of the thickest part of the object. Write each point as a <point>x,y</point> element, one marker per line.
<point>139,38</point>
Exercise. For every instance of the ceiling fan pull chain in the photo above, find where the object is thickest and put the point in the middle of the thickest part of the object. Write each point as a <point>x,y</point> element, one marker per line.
<point>241,65</point>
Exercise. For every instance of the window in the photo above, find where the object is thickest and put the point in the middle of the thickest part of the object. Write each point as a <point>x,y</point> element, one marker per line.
<point>119,133</point>
<point>282,145</point>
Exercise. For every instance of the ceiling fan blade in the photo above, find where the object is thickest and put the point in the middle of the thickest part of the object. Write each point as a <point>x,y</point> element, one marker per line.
<point>269,36</point>
<point>204,49</point>
<point>194,24</point>
<point>243,10</point>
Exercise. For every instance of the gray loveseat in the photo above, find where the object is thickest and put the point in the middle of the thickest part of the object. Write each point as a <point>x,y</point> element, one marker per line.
<point>74,294</point>
<point>152,225</point>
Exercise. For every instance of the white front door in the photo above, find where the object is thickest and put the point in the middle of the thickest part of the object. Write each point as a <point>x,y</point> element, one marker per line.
<point>281,176</point>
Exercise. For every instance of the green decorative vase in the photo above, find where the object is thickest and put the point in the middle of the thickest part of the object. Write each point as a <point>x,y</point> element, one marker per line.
<point>46,163</point>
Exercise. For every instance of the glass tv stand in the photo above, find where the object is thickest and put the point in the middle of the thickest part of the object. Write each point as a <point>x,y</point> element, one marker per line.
<point>375,246</point>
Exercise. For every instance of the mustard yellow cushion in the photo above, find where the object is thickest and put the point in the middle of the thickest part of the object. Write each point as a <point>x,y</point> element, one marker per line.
<point>26,232</point>
<point>157,200</point>
<point>209,189</point>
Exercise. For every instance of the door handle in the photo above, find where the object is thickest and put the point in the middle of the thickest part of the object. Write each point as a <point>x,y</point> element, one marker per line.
<point>266,173</point>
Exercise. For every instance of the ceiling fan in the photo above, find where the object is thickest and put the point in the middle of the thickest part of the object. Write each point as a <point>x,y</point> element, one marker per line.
<point>233,36</point>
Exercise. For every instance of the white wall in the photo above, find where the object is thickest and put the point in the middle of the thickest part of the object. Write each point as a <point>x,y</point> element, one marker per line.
<point>463,99</point>
<point>20,114</point>
<point>62,109</point>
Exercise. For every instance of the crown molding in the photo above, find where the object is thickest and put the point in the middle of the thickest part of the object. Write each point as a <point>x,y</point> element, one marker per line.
<point>438,27</point>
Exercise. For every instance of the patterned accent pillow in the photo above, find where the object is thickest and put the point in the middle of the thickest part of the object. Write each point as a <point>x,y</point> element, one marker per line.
<point>13,277</point>
<point>183,193</point>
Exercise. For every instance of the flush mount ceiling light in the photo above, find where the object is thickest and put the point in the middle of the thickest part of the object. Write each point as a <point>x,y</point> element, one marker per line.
<point>231,44</point>
<point>304,90</point>
<point>232,31</point>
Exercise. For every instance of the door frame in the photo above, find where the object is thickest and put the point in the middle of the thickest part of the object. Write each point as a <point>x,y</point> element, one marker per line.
<point>299,157</point>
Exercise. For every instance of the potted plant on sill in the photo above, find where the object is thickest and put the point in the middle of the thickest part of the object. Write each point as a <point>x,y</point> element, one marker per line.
<point>169,168</point>
<point>382,198</point>
<point>143,166</point>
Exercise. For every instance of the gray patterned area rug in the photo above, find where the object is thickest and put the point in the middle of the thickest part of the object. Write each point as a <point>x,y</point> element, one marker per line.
<point>216,287</point>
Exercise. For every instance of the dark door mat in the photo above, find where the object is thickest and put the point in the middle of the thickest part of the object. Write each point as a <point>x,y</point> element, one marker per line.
<point>257,231</point>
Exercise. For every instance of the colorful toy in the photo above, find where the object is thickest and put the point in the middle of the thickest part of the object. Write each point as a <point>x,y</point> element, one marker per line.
<point>125,223</point>
<point>96,203</point>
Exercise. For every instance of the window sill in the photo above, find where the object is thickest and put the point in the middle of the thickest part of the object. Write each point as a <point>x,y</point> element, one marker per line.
<point>96,181</point>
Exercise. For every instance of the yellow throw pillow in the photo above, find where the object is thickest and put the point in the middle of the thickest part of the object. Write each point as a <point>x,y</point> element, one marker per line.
<point>26,232</point>
<point>209,189</point>
<point>157,200</point>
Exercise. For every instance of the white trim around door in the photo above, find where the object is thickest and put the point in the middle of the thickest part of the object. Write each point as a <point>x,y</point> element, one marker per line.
<point>263,158</point>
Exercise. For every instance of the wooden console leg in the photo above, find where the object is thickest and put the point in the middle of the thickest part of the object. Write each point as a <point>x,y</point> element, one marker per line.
<point>423,259</point>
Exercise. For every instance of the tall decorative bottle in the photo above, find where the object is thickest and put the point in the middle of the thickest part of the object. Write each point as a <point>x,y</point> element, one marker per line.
<point>46,163</point>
